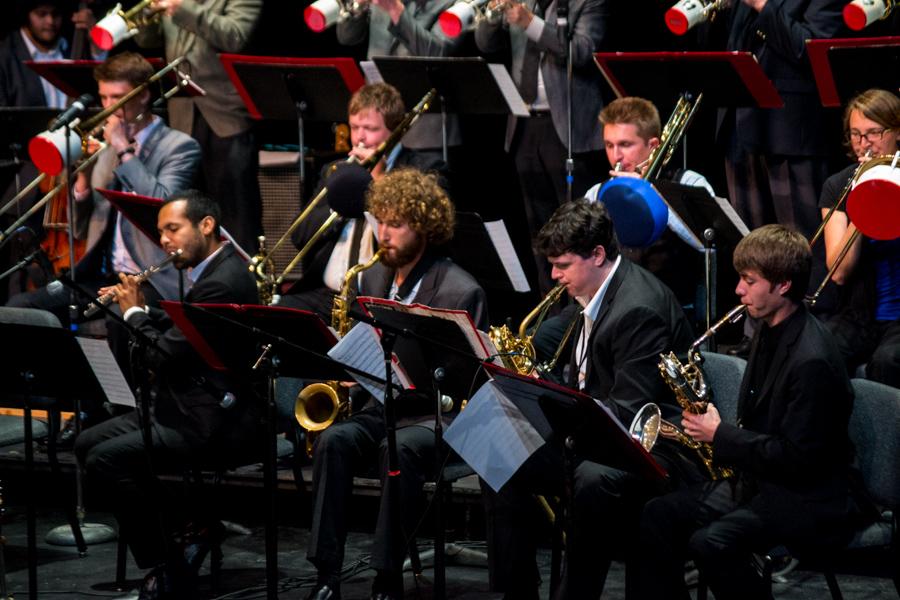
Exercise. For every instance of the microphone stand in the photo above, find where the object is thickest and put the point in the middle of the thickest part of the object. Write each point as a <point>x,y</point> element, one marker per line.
<point>562,22</point>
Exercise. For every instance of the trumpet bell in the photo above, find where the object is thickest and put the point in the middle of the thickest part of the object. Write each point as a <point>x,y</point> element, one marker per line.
<point>873,203</point>
<point>48,150</point>
<point>112,30</point>
<point>456,19</point>
<point>639,214</point>
<point>322,14</point>
<point>859,14</point>
<point>685,15</point>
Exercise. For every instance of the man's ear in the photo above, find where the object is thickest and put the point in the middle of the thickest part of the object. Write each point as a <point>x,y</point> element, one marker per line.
<point>783,287</point>
<point>599,256</point>
<point>207,225</point>
<point>653,143</point>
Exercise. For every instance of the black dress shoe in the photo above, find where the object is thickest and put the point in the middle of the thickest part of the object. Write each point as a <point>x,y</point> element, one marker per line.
<point>385,596</point>
<point>198,543</point>
<point>167,583</point>
<point>324,592</point>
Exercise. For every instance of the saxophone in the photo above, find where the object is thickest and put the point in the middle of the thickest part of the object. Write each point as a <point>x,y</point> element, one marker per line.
<point>688,383</point>
<point>320,404</point>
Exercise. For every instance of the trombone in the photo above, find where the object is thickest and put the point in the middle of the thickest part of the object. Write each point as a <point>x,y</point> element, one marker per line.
<point>262,265</point>
<point>119,25</point>
<point>48,150</point>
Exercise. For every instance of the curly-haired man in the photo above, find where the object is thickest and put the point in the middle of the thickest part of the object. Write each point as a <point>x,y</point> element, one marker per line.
<point>415,218</point>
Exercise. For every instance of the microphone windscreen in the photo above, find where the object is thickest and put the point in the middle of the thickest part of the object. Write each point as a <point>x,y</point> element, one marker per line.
<point>347,187</point>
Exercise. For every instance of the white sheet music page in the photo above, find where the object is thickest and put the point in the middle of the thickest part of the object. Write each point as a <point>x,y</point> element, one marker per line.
<point>361,349</point>
<point>732,215</point>
<point>509,90</point>
<point>107,371</point>
<point>493,436</point>
<point>511,264</point>
<point>370,71</point>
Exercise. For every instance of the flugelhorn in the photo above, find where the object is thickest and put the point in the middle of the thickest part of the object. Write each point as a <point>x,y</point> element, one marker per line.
<point>261,264</point>
<point>104,300</point>
<point>859,14</point>
<point>48,150</point>
<point>119,25</point>
<point>687,13</point>
<point>322,14</point>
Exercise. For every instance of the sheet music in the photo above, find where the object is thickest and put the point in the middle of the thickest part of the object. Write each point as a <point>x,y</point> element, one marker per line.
<point>361,349</point>
<point>107,371</point>
<point>370,71</point>
<point>503,244</point>
<point>510,93</point>
<point>683,231</point>
<point>493,354</point>
<point>493,436</point>
<point>732,215</point>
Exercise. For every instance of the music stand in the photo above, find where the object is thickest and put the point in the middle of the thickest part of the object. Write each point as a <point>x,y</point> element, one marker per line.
<point>301,89</point>
<point>47,362</point>
<point>293,342</point>
<point>142,212</point>
<point>836,66</point>
<point>465,85</point>
<point>486,252</point>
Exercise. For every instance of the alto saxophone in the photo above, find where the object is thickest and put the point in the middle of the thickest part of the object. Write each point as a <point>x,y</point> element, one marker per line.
<point>318,405</point>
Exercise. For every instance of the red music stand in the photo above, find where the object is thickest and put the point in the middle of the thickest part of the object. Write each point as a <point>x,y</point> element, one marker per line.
<point>846,67</point>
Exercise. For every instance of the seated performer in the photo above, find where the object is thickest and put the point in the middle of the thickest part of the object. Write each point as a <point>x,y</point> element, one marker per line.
<point>415,218</point>
<point>867,324</point>
<point>143,156</point>
<point>629,318</point>
<point>789,446</point>
<point>189,420</point>
<point>374,111</point>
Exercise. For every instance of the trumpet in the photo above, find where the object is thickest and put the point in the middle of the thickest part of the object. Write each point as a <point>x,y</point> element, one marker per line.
<point>465,13</point>
<point>104,300</point>
<point>687,13</point>
<point>50,149</point>
<point>322,14</point>
<point>119,25</point>
<point>859,14</point>
<point>262,266</point>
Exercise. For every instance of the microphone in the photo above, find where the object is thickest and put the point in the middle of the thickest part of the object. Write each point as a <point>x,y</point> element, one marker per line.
<point>71,113</point>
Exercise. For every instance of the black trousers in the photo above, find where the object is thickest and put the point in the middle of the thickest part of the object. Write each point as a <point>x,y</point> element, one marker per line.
<point>540,159</point>
<point>875,344</point>
<point>116,462</point>
<point>229,170</point>
<point>358,447</point>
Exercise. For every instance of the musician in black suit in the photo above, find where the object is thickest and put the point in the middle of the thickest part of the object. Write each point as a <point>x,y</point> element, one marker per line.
<point>629,318</point>
<point>415,218</point>
<point>374,111</point>
<point>197,413</point>
<point>790,445</point>
<point>776,158</point>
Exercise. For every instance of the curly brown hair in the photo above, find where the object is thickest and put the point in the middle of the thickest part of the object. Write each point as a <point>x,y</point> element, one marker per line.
<point>383,98</point>
<point>416,199</point>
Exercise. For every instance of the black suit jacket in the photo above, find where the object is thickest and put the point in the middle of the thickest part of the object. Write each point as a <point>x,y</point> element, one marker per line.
<point>314,263</point>
<point>638,320</point>
<point>791,441</point>
<point>189,393</point>
<point>777,36</point>
<point>19,85</point>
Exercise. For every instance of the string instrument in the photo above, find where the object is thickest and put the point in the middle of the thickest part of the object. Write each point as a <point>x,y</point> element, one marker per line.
<point>56,227</point>
<point>80,48</point>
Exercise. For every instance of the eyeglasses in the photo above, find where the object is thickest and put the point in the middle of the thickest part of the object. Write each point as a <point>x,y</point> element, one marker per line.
<point>871,136</point>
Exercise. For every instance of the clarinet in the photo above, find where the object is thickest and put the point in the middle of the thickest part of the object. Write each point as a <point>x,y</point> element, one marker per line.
<point>94,307</point>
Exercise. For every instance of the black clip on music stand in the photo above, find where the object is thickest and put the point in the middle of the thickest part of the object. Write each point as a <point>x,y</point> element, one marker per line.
<point>48,362</point>
<point>301,89</point>
<point>430,350</point>
<point>836,66</point>
<point>465,85</point>
<point>292,342</point>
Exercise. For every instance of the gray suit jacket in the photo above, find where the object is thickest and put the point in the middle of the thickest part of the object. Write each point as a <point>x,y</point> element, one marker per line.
<point>588,19</point>
<point>200,30</point>
<point>417,33</point>
<point>166,163</point>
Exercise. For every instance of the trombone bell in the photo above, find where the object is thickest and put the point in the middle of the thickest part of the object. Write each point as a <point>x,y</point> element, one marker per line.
<point>48,150</point>
<point>873,204</point>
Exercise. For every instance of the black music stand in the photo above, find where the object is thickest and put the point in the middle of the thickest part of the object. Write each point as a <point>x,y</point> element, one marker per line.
<point>294,89</point>
<point>465,85</point>
<point>293,342</point>
<point>473,248</point>
<point>839,66</point>
<point>441,353</point>
<point>48,362</point>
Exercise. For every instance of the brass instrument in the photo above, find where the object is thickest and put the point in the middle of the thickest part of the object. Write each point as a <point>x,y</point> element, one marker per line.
<point>859,14</point>
<point>517,351</point>
<point>318,405</point>
<point>261,265</point>
<point>692,393</point>
<point>322,14</point>
<point>685,14</point>
<point>841,198</point>
<point>671,135</point>
<point>48,150</point>
<point>463,14</point>
<point>119,25</point>
<point>890,161</point>
<point>104,300</point>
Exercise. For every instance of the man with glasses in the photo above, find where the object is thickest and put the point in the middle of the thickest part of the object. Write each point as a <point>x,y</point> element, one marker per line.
<point>867,324</point>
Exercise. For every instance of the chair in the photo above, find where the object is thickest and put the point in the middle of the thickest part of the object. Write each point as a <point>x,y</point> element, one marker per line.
<point>724,374</point>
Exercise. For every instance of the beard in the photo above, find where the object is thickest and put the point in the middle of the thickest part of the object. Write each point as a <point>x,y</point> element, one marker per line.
<point>397,257</point>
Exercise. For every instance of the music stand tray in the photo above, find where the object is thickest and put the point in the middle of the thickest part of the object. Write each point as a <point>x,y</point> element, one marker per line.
<point>838,66</point>
<point>724,78</point>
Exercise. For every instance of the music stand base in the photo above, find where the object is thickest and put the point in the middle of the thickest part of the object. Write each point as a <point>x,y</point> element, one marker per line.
<point>455,554</point>
<point>94,533</point>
